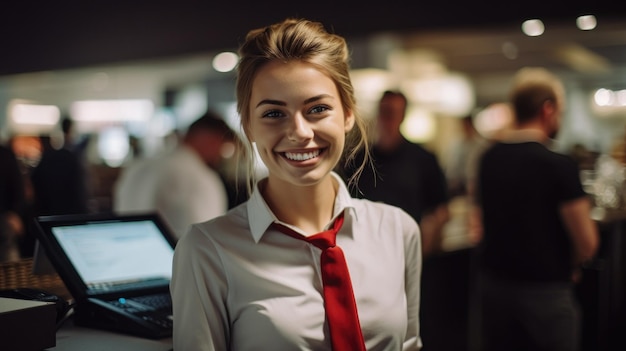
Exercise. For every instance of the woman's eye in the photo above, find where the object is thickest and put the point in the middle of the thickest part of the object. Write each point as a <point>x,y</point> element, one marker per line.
<point>272,114</point>
<point>319,109</point>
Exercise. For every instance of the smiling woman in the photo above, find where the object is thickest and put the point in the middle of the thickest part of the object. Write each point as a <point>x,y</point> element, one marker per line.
<point>347,274</point>
<point>296,110</point>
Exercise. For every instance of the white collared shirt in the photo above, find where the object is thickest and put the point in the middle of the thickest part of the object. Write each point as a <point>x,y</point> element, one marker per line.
<point>178,185</point>
<point>240,285</point>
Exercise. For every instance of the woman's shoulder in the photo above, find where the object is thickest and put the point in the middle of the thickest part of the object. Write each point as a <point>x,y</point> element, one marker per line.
<point>367,204</point>
<point>384,221</point>
<point>375,210</point>
<point>233,222</point>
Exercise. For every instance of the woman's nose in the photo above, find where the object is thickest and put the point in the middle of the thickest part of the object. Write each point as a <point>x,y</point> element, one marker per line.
<point>300,129</point>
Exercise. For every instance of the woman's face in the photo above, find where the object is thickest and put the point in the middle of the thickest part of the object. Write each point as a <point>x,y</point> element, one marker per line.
<point>297,122</point>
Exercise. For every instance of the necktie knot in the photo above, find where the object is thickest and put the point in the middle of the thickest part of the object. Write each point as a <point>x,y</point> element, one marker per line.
<point>323,240</point>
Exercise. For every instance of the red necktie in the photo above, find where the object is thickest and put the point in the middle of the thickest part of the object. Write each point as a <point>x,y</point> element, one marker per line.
<point>341,312</point>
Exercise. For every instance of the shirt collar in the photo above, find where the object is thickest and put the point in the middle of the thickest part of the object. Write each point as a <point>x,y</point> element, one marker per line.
<point>260,217</point>
<point>523,136</point>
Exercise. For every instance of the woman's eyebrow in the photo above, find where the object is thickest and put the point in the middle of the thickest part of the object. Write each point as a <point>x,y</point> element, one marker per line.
<point>282,103</point>
<point>271,102</point>
<point>318,97</point>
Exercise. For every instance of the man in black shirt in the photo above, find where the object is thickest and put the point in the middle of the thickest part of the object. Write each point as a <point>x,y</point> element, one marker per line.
<point>536,224</point>
<point>405,174</point>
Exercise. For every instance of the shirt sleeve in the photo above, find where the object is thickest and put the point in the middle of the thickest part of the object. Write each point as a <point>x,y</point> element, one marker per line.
<point>568,181</point>
<point>199,291</point>
<point>191,196</point>
<point>413,272</point>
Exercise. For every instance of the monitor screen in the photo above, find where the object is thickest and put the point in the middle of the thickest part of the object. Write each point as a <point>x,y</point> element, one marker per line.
<point>107,253</point>
<point>113,253</point>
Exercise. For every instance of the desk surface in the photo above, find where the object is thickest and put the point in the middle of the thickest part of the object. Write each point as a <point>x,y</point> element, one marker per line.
<point>75,338</point>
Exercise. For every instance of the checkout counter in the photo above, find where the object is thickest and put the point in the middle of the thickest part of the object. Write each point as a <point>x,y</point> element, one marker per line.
<point>75,338</point>
<point>69,337</point>
<point>448,313</point>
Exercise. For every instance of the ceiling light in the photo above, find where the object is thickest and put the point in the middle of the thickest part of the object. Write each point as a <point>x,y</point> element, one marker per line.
<point>25,114</point>
<point>533,27</point>
<point>604,97</point>
<point>451,94</point>
<point>587,22</point>
<point>621,97</point>
<point>225,61</point>
<point>98,111</point>
<point>369,85</point>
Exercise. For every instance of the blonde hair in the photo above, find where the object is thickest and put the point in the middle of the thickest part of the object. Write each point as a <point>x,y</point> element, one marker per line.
<point>306,41</point>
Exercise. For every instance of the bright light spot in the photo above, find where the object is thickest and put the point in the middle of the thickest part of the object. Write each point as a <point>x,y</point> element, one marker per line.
<point>609,103</point>
<point>493,119</point>
<point>621,97</point>
<point>587,22</point>
<point>604,97</point>
<point>449,94</point>
<point>533,27</point>
<point>418,125</point>
<point>225,61</point>
<point>30,114</point>
<point>189,104</point>
<point>113,146</point>
<point>112,110</point>
<point>369,85</point>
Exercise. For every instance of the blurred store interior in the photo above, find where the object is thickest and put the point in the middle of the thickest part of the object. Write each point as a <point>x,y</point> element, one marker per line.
<point>142,70</point>
<point>451,60</point>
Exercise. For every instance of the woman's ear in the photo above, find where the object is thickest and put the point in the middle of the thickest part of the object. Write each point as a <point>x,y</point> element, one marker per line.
<point>349,121</point>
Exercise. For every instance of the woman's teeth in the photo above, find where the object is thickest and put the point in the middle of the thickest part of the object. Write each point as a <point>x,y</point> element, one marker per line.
<point>302,156</point>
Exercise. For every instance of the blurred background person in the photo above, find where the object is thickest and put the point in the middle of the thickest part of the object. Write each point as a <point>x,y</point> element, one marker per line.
<point>59,180</point>
<point>70,141</point>
<point>405,174</point>
<point>184,184</point>
<point>460,168</point>
<point>460,171</point>
<point>12,201</point>
<point>537,228</point>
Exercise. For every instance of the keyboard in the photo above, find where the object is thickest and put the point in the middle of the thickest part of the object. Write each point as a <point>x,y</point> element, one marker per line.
<point>156,309</point>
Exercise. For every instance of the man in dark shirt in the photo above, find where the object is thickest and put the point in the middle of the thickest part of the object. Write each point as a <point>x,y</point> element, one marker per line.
<point>60,178</point>
<point>405,174</point>
<point>536,224</point>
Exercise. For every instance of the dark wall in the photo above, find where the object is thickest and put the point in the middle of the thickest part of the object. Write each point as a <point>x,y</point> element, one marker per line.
<point>47,35</point>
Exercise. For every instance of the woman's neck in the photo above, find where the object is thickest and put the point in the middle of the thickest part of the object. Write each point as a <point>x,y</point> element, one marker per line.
<point>309,208</point>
